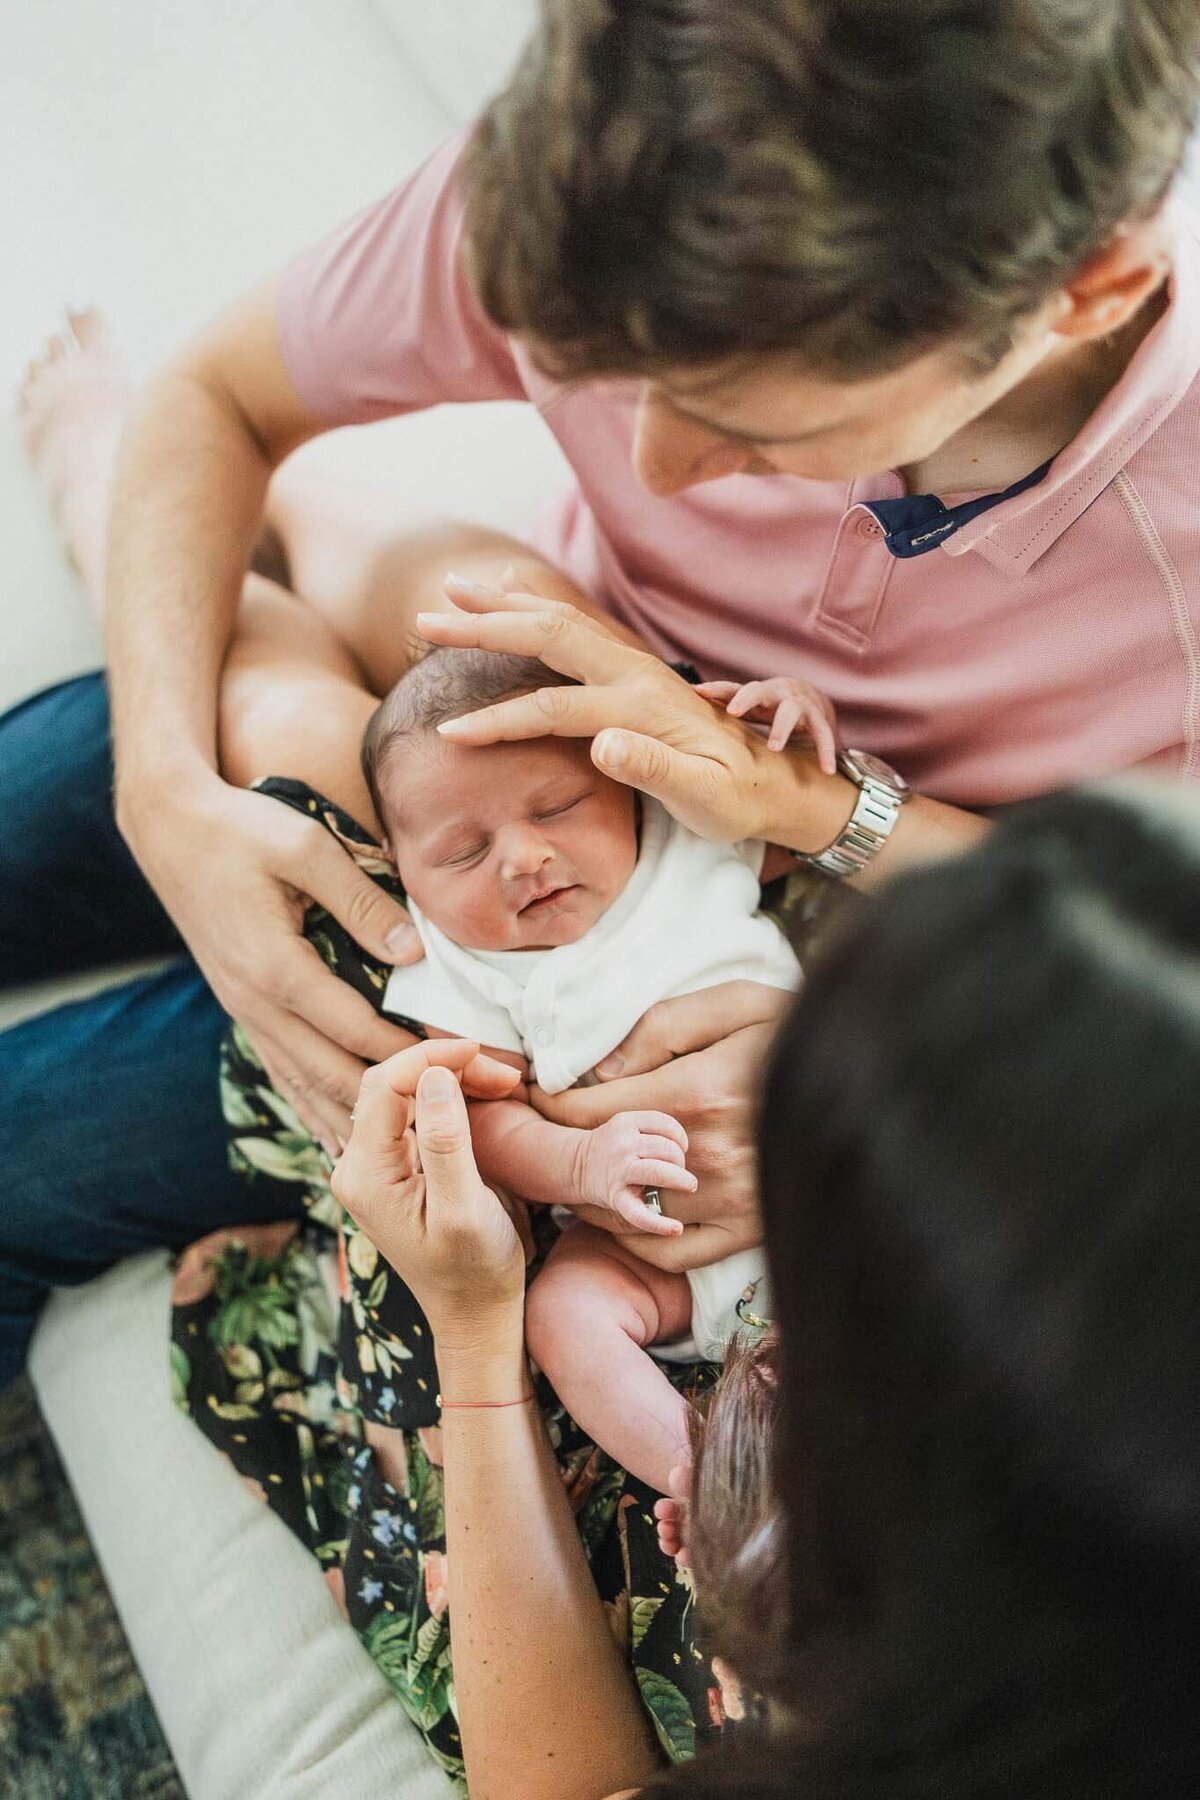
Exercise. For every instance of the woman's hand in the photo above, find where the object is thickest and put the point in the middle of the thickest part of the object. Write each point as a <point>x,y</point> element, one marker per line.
<point>408,1178</point>
<point>651,729</point>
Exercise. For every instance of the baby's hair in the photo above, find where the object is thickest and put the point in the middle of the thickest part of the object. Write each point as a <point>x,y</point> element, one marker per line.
<point>441,684</point>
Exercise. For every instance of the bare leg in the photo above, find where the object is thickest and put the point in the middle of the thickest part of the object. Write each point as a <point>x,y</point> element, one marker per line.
<point>72,406</point>
<point>589,1316</point>
<point>303,667</point>
<point>369,567</point>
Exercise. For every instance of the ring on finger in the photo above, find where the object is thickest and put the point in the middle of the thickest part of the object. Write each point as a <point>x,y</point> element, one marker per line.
<point>652,1198</point>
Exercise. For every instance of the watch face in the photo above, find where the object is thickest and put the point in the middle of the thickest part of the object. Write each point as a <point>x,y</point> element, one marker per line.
<point>873,768</point>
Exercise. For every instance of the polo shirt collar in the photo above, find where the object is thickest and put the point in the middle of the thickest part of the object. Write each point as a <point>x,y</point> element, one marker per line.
<point>1017,531</point>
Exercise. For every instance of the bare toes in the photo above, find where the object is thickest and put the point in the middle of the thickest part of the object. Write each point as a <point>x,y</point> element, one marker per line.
<point>89,327</point>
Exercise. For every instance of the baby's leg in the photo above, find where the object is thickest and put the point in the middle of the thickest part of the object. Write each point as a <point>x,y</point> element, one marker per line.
<point>589,1316</point>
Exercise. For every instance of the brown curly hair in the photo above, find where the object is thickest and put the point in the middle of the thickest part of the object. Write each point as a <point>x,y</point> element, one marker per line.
<point>678,183</point>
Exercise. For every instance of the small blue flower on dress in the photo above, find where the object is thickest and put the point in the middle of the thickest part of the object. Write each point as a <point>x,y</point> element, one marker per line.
<point>386,1528</point>
<point>353,1496</point>
<point>387,1399</point>
<point>370,1591</point>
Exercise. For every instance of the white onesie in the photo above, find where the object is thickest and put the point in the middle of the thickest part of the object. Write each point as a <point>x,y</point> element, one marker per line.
<point>686,919</point>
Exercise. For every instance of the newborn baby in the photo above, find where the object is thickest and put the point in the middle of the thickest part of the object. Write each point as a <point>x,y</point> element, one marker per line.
<point>556,907</point>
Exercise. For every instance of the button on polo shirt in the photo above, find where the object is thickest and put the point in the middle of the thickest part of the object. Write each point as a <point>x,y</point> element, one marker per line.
<point>1052,635</point>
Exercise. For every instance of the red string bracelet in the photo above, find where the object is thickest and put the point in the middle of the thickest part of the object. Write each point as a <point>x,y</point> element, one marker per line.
<point>451,1405</point>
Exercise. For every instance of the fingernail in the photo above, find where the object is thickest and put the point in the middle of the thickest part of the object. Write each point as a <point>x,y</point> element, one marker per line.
<point>612,749</point>
<point>451,727</point>
<point>468,587</point>
<point>437,1082</point>
<point>610,1065</point>
<point>398,940</point>
<point>331,1148</point>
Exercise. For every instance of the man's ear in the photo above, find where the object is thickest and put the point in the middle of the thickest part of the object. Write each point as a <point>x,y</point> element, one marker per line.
<point>1114,283</point>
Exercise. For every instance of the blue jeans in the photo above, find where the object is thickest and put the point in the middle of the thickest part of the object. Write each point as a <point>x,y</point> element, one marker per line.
<point>111,1136</point>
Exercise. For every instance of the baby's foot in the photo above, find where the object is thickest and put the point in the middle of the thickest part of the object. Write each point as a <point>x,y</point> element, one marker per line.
<point>72,406</point>
<point>671,1515</point>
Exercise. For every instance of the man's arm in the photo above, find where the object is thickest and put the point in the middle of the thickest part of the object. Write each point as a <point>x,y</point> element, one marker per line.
<point>232,868</point>
<point>187,506</point>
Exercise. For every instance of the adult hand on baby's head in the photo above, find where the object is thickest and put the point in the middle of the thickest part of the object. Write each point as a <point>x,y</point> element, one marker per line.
<point>409,1179</point>
<point>651,730</point>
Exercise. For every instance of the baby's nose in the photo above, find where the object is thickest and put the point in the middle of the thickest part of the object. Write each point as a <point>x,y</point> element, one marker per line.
<point>523,853</point>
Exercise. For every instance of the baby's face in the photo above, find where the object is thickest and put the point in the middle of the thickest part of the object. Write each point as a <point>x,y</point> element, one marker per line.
<point>512,847</point>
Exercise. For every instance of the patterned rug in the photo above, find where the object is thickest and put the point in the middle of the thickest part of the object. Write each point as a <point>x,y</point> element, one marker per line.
<point>76,1722</point>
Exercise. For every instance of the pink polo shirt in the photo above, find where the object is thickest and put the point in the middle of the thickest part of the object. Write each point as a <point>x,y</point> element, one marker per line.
<point>1054,638</point>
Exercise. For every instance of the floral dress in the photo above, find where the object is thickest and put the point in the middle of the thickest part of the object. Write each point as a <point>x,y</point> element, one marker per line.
<point>290,1341</point>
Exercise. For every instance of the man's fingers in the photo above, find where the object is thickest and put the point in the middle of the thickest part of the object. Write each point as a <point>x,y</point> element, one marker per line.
<point>546,712</point>
<point>719,691</point>
<point>690,1022</point>
<point>373,919</point>
<point>553,632</point>
<point>474,598</point>
<point>305,985</point>
<point>645,763</point>
<point>323,1074</point>
<point>324,1118</point>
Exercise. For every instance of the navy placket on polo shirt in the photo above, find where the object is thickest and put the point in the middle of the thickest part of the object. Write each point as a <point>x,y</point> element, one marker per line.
<point>915,523</point>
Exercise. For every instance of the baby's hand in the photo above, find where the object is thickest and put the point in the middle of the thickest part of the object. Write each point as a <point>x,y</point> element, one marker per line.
<point>791,708</point>
<point>633,1151</point>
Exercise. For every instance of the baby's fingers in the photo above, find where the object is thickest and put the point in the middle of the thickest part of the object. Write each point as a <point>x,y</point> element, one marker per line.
<point>660,1124</point>
<point>648,1172</point>
<point>631,1209</point>
<point>824,740</point>
<point>719,691</point>
<point>787,716</point>
<point>659,1149</point>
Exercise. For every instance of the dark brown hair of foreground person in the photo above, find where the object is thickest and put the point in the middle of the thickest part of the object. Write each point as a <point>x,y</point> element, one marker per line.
<point>979,1146</point>
<point>671,183</point>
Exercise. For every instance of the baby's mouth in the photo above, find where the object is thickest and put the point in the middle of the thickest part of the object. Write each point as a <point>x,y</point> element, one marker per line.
<point>545,896</point>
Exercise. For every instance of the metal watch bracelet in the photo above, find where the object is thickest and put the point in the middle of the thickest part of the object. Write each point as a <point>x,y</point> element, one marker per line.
<point>881,794</point>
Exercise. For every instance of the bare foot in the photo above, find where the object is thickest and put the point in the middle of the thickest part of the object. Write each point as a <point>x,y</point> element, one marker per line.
<point>72,406</point>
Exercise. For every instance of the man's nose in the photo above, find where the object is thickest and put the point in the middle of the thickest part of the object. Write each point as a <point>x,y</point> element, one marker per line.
<point>672,452</point>
<point>523,851</point>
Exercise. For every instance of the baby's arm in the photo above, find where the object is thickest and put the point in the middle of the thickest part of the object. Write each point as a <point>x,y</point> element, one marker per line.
<point>788,707</point>
<point>604,1169</point>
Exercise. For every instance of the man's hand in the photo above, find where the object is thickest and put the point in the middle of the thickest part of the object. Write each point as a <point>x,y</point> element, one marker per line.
<point>237,871</point>
<point>698,1059</point>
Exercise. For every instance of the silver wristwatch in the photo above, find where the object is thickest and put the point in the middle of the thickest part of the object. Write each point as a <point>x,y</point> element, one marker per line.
<point>881,794</point>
